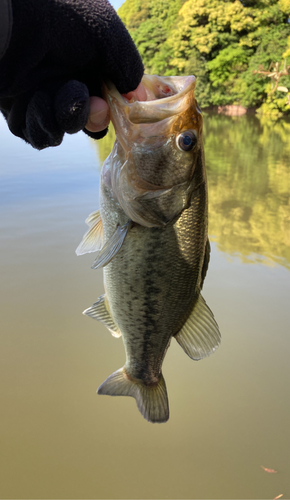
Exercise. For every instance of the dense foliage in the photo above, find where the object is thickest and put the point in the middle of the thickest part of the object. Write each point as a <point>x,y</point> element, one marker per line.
<point>221,42</point>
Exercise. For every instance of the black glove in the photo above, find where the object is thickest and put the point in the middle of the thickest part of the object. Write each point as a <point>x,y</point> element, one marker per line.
<point>59,53</point>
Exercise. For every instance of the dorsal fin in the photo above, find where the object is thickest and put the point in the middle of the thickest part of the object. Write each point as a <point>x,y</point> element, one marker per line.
<point>112,247</point>
<point>100,311</point>
<point>199,337</point>
<point>92,240</point>
<point>92,218</point>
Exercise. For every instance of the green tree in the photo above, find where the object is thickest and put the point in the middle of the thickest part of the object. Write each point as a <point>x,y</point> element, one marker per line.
<point>225,72</point>
<point>150,23</point>
<point>221,42</point>
<point>271,48</point>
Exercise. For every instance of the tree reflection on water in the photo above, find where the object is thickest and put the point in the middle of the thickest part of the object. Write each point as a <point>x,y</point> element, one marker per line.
<point>248,166</point>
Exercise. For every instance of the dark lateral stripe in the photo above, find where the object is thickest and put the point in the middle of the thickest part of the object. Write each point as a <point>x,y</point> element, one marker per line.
<point>5,25</point>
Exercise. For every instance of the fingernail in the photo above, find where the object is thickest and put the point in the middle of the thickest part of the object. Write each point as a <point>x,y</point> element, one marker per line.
<point>99,117</point>
<point>141,93</point>
<point>98,125</point>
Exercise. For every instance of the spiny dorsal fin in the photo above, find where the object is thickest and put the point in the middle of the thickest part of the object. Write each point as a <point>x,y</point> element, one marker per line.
<point>199,337</point>
<point>152,400</point>
<point>112,247</point>
<point>100,311</point>
<point>92,240</point>
<point>92,218</point>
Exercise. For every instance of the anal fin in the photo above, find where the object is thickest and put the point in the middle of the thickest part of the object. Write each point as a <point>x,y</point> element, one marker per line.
<point>205,262</point>
<point>100,311</point>
<point>200,336</point>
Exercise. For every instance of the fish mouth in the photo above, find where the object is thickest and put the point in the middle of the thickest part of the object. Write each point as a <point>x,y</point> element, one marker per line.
<point>166,97</point>
<point>150,175</point>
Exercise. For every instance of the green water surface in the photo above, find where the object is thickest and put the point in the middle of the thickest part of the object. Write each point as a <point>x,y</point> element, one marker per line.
<point>229,414</point>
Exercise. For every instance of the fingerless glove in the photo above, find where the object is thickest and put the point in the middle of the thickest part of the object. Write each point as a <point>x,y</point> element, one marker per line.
<point>59,54</point>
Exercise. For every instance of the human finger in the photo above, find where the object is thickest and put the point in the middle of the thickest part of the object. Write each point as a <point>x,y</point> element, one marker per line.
<point>99,116</point>
<point>139,93</point>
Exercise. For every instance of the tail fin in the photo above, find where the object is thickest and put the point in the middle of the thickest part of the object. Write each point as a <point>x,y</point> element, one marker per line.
<point>152,401</point>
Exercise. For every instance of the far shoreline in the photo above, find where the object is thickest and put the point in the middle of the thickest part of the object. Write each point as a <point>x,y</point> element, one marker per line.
<point>231,110</point>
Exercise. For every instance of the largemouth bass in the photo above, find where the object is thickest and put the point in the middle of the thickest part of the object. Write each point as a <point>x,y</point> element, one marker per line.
<point>151,235</point>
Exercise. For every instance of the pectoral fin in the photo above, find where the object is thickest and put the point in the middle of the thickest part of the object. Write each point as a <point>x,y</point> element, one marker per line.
<point>112,247</point>
<point>159,207</point>
<point>92,240</point>
<point>100,311</point>
<point>200,336</point>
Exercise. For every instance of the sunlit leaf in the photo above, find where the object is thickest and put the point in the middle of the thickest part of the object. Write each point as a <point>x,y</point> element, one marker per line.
<point>222,42</point>
<point>282,89</point>
<point>270,471</point>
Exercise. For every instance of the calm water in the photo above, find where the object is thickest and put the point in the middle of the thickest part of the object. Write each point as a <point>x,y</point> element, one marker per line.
<point>230,413</point>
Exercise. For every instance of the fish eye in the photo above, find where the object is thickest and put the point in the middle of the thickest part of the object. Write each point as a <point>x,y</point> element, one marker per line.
<point>186,140</point>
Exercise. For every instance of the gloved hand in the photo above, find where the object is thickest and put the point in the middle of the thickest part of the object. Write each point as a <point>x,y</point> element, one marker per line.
<point>59,53</point>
